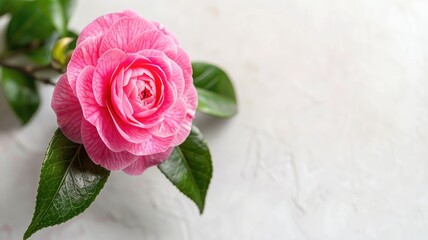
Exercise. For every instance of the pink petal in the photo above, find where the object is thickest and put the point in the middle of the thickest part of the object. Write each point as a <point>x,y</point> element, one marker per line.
<point>126,106</point>
<point>85,54</point>
<point>123,31</point>
<point>159,62</point>
<point>91,109</point>
<point>192,101</point>
<point>183,60</point>
<point>153,40</point>
<point>191,98</point>
<point>116,95</point>
<point>130,132</point>
<point>110,134</point>
<point>173,119</point>
<point>144,162</point>
<point>167,96</point>
<point>100,153</point>
<point>107,64</point>
<point>151,146</point>
<point>165,31</point>
<point>67,109</point>
<point>100,25</point>
<point>177,78</point>
<point>168,100</point>
<point>97,115</point>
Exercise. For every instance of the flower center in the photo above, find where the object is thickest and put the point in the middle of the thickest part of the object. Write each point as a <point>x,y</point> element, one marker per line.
<point>145,93</point>
<point>137,89</point>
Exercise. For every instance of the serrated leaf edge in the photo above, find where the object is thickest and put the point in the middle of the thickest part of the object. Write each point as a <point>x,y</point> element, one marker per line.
<point>29,233</point>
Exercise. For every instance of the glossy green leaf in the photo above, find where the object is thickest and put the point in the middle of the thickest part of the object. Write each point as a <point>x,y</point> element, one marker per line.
<point>216,93</point>
<point>215,104</point>
<point>189,168</point>
<point>9,6</point>
<point>21,92</point>
<point>73,35</point>
<point>5,6</point>
<point>58,12</point>
<point>69,183</point>
<point>42,54</point>
<point>28,25</point>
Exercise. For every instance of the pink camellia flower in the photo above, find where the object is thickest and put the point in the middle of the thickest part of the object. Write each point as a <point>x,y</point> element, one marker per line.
<point>128,94</point>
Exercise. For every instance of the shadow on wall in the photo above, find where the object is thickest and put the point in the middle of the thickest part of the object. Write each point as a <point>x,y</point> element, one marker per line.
<point>210,126</point>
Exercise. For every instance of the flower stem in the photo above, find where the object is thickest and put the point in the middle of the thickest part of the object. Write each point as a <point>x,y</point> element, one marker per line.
<point>30,70</point>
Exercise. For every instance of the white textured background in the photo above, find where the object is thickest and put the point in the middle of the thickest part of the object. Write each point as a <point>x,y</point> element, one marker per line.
<point>331,141</point>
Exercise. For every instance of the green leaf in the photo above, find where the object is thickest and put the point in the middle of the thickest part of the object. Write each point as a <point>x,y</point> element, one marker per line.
<point>28,25</point>
<point>189,168</point>
<point>42,54</point>
<point>215,104</point>
<point>7,6</point>
<point>72,45</point>
<point>21,93</point>
<point>216,93</point>
<point>69,183</point>
<point>58,12</point>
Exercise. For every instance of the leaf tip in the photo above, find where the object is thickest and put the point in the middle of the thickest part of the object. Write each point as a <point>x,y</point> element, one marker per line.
<point>73,161</point>
<point>201,208</point>
<point>31,229</point>
<point>28,233</point>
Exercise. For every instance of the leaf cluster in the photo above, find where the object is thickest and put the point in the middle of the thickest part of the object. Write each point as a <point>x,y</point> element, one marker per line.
<point>30,35</point>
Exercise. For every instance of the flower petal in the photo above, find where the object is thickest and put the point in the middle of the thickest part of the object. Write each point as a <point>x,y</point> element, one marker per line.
<point>97,115</point>
<point>102,24</point>
<point>131,133</point>
<point>192,102</point>
<point>67,109</point>
<point>85,54</point>
<point>107,64</point>
<point>91,109</point>
<point>151,146</point>
<point>110,134</point>
<point>158,60</point>
<point>144,162</point>
<point>183,60</point>
<point>123,31</point>
<point>173,119</point>
<point>177,78</point>
<point>168,100</point>
<point>153,40</point>
<point>100,153</point>
<point>161,28</point>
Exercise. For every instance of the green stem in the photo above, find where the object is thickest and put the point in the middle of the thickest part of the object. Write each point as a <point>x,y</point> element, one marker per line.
<point>30,70</point>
